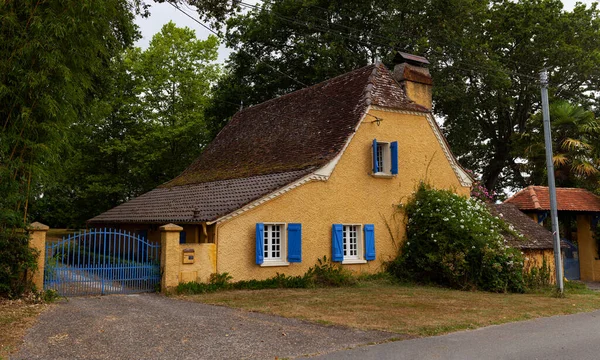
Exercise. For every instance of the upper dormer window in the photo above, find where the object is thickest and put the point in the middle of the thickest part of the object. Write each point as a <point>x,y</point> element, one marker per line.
<point>385,158</point>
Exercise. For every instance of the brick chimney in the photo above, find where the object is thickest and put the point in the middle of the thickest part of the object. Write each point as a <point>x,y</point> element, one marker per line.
<point>412,74</point>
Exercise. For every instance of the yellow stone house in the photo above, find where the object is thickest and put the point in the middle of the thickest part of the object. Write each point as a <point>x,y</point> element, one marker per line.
<point>317,172</point>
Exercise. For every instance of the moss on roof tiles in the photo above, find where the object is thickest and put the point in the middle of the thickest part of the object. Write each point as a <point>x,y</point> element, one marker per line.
<point>300,130</point>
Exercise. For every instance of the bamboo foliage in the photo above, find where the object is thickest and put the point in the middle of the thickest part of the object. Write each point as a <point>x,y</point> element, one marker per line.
<point>53,64</point>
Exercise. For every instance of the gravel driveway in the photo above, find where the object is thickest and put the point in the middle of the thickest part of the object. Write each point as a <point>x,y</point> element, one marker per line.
<point>151,326</point>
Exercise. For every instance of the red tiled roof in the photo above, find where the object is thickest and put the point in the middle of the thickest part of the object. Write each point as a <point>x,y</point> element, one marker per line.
<point>568,199</point>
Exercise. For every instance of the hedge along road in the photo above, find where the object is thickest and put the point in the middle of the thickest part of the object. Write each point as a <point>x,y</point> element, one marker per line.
<point>149,326</point>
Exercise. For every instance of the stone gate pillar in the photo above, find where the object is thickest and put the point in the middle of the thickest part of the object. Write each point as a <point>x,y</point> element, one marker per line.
<point>170,256</point>
<point>37,240</point>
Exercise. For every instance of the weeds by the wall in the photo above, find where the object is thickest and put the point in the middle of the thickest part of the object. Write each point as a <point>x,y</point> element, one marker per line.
<point>323,274</point>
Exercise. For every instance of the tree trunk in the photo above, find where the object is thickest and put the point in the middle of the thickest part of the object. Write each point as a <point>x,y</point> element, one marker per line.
<point>497,163</point>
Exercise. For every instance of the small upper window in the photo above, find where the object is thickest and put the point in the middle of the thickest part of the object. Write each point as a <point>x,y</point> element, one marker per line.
<point>385,158</point>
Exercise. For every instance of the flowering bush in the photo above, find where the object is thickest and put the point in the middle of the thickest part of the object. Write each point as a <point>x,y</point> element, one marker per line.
<point>456,242</point>
<point>479,191</point>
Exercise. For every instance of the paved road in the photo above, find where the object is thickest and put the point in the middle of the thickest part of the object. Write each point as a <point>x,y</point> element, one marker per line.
<point>156,327</point>
<point>560,337</point>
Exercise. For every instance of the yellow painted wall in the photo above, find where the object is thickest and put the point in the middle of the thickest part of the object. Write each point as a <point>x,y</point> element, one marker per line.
<point>535,258</point>
<point>589,266</point>
<point>205,262</point>
<point>351,195</point>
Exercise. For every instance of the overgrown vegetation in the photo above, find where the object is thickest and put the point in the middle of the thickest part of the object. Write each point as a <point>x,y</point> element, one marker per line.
<point>537,278</point>
<point>54,66</point>
<point>323,274</point>
<point>17,262</point>
<point>455,242</point>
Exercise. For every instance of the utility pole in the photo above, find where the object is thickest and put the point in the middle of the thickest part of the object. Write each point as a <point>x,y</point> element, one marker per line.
<point>551,184</point>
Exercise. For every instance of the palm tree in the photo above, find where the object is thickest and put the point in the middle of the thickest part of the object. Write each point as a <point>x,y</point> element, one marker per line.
<point>575,144</point>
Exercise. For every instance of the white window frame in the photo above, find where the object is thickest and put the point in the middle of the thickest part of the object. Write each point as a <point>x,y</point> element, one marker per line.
<point>282,259</point>
<point>386,164</point>
<point>359,258</point>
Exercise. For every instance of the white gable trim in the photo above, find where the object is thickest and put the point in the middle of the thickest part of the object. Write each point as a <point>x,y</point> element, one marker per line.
<point>321,174</point>
<point>461,174</point>
<point>308,178</point>
<point>327,170</point>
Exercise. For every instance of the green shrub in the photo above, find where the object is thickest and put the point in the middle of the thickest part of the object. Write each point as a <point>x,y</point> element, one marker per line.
<point>323,274</point>
<point>327,273</point>
<point>279,281</point>
<point>17,262</point>
<point>454,241</point>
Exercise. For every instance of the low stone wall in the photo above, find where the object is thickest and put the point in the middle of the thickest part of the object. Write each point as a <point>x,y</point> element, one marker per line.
<point>181,263</point>
<point>205,262</point>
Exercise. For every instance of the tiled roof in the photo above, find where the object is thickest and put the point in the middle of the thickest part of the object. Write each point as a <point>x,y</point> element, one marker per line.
<point>306,128</point>
<point>197,202</point>
<point>267,146</point>
<point>535,235</point>
<point>568,199</point>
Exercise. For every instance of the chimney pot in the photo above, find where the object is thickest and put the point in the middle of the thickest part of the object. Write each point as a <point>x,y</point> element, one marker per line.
<point>412,74</point>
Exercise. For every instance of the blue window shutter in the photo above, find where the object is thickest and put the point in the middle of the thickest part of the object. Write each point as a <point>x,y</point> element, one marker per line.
<point>294,234</point>
<point>260,243</point>
<point>337,243</point>
<point>394,151</point>
<point>369,242</point>
<point>375,164</point>
<point>182,236</point>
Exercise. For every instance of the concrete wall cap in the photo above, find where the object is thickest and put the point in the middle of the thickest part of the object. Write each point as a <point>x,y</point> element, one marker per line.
<point>38,226</point>
<point>171,227</point>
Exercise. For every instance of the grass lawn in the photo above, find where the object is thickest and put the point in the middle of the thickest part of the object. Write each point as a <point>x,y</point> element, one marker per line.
<point>16,317</point>
<point>405,309</point>
<point>54,235</point>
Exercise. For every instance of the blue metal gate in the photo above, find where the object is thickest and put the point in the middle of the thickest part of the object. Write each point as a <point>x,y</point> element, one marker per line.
<point>102,261</point>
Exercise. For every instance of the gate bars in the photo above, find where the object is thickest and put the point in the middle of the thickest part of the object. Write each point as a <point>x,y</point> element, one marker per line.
<point>102,261</point>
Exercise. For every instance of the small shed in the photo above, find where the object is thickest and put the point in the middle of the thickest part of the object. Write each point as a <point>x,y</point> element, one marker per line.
<point>537,241</point>
<point>577,206</point>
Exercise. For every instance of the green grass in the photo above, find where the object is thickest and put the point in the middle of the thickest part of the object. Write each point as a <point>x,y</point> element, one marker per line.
<point>54,235</point>
<point>382,304</point>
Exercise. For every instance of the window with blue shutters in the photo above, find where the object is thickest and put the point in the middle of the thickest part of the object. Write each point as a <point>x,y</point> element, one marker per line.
<point>278,244</point>
<point>352,243</point>
<point>182,237</point>
<point>385,158</point>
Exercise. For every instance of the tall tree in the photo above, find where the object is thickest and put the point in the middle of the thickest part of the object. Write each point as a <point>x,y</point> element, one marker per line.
<point>54,62</point>
<point>175,74</point>
<point>576,147</point>
<point>485,58</point>
<point>143,133</point>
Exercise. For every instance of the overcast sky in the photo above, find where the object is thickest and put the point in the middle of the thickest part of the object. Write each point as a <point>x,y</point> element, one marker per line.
<point>163,13</point>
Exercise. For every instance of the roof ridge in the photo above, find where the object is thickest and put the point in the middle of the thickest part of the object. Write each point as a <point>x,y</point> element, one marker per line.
<point>301,90</point>
<point>534,198</point>
<point>562,188</point>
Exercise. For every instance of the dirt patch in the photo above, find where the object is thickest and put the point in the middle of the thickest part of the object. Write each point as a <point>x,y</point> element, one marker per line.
<point>16,316</point>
